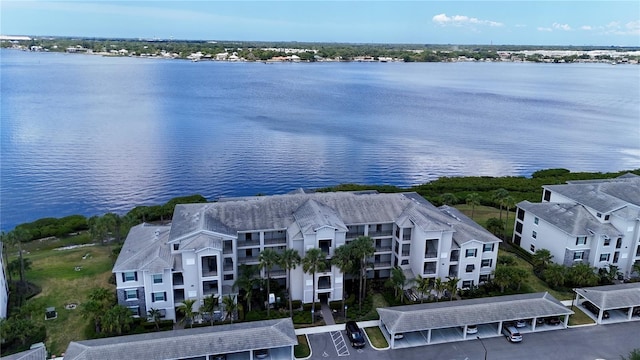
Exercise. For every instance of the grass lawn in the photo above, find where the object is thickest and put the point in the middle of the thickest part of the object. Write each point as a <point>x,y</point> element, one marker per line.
<point>579,318</point>
<point>378,302</point>
<point>302,350</point>
<point>377,339</point>
<point>55,272</point>
<point>483,213</point>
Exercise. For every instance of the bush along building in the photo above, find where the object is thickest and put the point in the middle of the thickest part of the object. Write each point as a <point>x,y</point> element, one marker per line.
<point>201,252</point>
<point>590,221</point>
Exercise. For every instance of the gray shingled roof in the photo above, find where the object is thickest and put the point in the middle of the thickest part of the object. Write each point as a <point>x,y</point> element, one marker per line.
<point>145,249</point>
<point>612,296</point>
<point>602,195</point>
<point>446,314</point>
<point>39,353</point>
<point>310,210</point>
<point>573,219</point>
<point>222,339</point>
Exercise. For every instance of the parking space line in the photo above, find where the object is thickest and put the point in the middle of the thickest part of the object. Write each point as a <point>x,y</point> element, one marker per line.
<point>341,345</point>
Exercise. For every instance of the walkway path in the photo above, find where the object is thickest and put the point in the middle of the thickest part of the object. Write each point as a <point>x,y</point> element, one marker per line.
<point>327,315</point>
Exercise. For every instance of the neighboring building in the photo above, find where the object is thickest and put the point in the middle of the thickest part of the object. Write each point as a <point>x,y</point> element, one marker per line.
<point>36,352</point>
<point>232,341</point>
<point>591,221</point>
<point>610,303</point>
<point>4,286</point>
<point>200,252</point>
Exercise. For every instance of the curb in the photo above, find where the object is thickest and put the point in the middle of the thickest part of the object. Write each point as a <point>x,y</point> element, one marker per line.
<point>310,349</point>
<point>369,340</point>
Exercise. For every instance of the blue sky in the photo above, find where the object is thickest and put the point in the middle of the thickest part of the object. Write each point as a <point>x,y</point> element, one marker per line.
<point>599,23</point>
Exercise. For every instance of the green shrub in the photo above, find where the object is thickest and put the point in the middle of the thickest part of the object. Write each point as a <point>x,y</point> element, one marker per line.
<point>296,304</point>
<point>302,317</point>
<point>308,307</point>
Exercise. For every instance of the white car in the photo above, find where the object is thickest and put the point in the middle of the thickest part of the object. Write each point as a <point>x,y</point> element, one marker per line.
<point>472,329</point>
<point>521,323</point>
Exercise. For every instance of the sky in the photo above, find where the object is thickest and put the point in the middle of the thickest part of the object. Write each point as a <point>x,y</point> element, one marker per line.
<point>514,22</point>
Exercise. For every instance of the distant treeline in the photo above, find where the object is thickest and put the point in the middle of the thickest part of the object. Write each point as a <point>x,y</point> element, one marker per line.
<point>484,190</point>
<point>260,51</point>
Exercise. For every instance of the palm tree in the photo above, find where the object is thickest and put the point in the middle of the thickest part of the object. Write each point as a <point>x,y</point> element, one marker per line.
<point>541,259</point>
<point>582,275</point>
<point>554,275</point>
<point>210,303</point>
<point>439,287</point>
<point>498,196</point>
<point>502,276</point>
<point>362,248</point>
<point>289,260</point>
<point>118,319</point>
<point>473,199</point>
<point>343,260</point>
<point>423,285</point>
<point>636,267</point>
<point>246,281</point>
<point>268,258</point>
<point>452,286</point>
<point>508,203</point>
<point>187,309</point>
<point>16,237</point>
<point>230,306</point>
<point>397,281</point>
<point>449,199</point>
<point>100,300</point>
<point>313,262</point>
<point>155,315</point>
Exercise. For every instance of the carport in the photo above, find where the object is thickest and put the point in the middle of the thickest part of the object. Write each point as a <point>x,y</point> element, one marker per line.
<point>621,302</point>
<point>447,321</point>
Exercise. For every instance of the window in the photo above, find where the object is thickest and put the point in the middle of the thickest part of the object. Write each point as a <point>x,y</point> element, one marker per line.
<point>467,284</point>
<point>131,294</point>
<point>484,278</point>
<point>581,240</point>
<point>517,239</point>
<point>607,241</point>
<point>547,195</point>
<point>604,257</point>
<point>534,234</point>
<point>599,215</point>
<point>228,276</point>
<point>618,243</point>
<point>533,248</point>
<point>404,262</point>
<point>176,246</point>
<point>135,310</point>
<point>470,267</point>
<point>535,220</point>
<point>486,263</point>
<point>130,276</point>
<point>487,248</point>
<point>471,253</point>
<point>616,257</point>
<point>578,255</point>
<point>520,214</point>
<point>157,278</point>
<point>638,251</point>
<point>518,227</point>
<point>158,296</point>
<point>606,217</point>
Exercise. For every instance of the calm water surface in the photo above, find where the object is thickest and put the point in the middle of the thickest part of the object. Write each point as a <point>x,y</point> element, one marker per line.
<point>87,134</point>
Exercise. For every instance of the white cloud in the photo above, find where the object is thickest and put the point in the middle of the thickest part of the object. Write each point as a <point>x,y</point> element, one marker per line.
<point>633,27</point>
<point>615,28</point>
<point>545,29</point>
<point>585,27</point>
<point>564,27</point>
<point>462,20</point>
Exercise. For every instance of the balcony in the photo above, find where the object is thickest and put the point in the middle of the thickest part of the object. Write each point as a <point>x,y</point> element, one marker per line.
<point>429,268</point>
<point>247,259</point>
<point>210,287</point>
<point>406,252</point>
<point>209,266</point>
<point>324,282</point>
<point>430,255</point>
<point>455,255</point>
<point>178,295</point>
<point>178,279</point>
<point>228,247</point>
<point>453,271</point>
<point>248,243</point>
<point>379,233</point>
<point>228,265</point>
<point>383,245</point>
<point>276,241</point>
<point>277,273</point>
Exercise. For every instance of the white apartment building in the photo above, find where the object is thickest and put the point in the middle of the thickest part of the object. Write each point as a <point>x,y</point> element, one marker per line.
<point>592,221</point>
<point>4,286</point>
<point>200,252</point>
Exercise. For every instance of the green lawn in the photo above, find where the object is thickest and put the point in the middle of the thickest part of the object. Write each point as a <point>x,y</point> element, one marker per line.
<point>534,283</point>
<point>579,318</point>
<point>55,272</point>
<point>302,350</point>
<point>378,340</point>
<point>483,213</point>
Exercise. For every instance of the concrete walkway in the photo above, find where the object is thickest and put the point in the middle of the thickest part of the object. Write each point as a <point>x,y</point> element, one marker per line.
<point>327,315</point>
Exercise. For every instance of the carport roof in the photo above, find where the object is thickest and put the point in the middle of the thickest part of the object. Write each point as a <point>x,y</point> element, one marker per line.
<point>401,319</point>
<point>612,296</point>
<point>222,339</point>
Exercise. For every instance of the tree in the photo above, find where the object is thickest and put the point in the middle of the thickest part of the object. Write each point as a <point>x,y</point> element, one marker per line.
<point>343,260</point>
<point>268,258</point>
<point>423,285</point>
<point>362,248</point>
<point>540,260</point>
<point>582,275</point>
<point>452,286</point>
<point>246,281</point>
<point>439,287</point>
<point>518,276</point>
<point>473,199</point>
<point>155,315</point>
<point>210,303</point>
<point>633,355</point>
<point>495,226</point>
<point>186,308</point>
<point>117,320</point>
<point>16,237</point>
<point>498,197</point>
<point>502,276</point>
<point>397,281</point>
<point>230,306</point>
<point>95,308</point>
<point>313,262</point>
<point>636,267</point>
<point>508,202</point>
<point>289,260</point>
<point>554,275</point>
<point>98,229</point>
<point>449,199</point>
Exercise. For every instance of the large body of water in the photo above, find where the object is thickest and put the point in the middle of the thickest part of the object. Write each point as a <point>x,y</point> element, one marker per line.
<point>88,134</point>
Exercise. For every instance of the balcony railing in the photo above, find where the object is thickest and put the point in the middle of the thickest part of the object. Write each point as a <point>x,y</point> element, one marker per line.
<point>282,240</point>
<point>381,264</point>
<point>405,252</point>
<point>430,255</point>
<point>251,243</point>
<point>178,279</point>
<point>277,273</point>
<point>247,259</point>
<point>227,250</point>
<point>209,272</point>
<point>380,233</point>
<point>383,248</point>
<point>455,256</point>
<point>228,267</point>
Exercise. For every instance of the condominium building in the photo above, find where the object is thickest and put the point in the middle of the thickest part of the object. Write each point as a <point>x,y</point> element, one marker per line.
<point>591,221</point>
<point>200,252</point>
